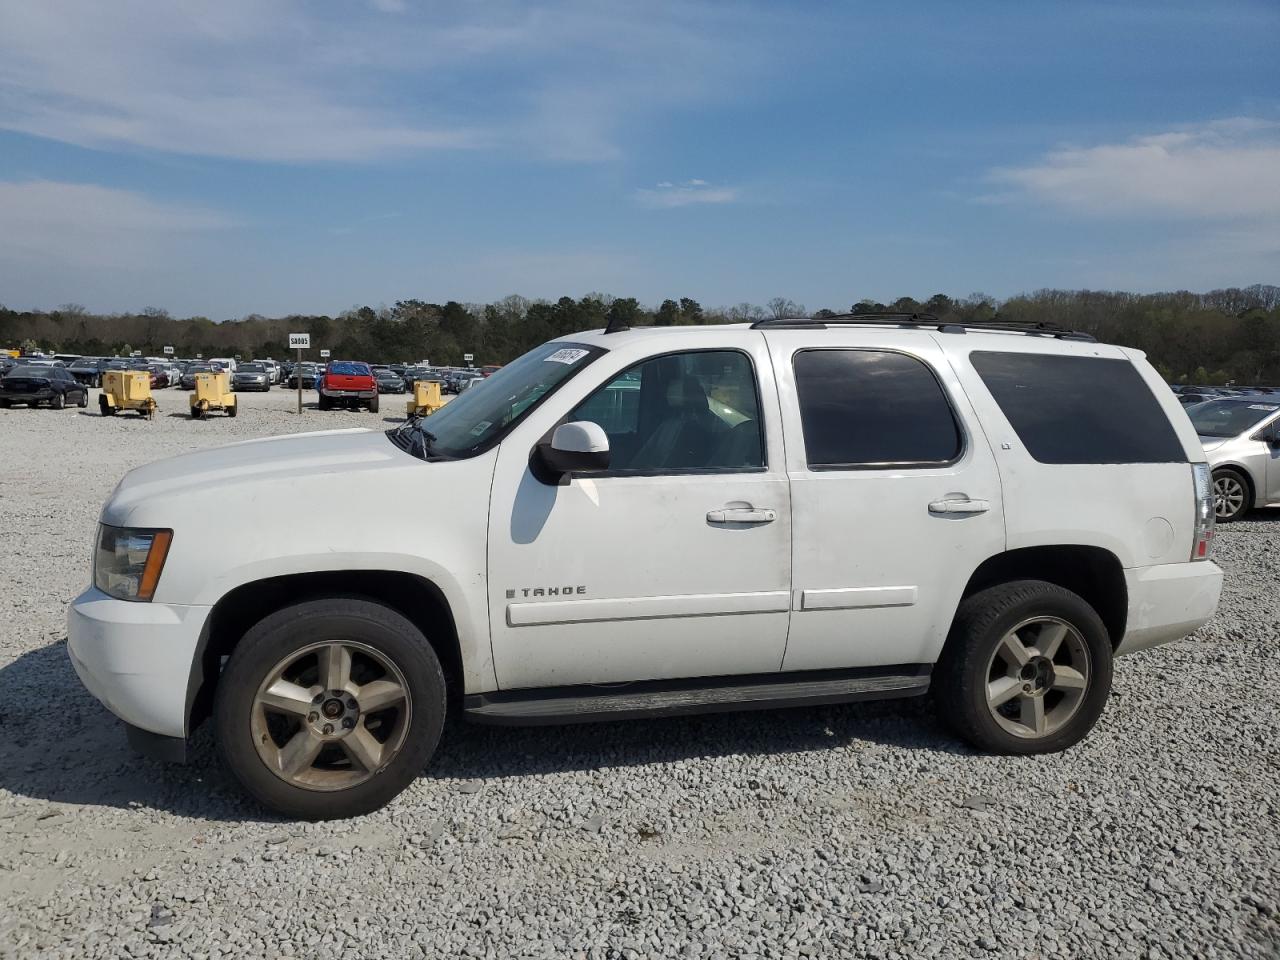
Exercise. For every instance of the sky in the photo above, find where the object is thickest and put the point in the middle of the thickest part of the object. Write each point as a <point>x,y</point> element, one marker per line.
<point>281,156</point>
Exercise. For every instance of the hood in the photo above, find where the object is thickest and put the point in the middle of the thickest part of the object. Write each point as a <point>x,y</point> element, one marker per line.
<point>250,467</point>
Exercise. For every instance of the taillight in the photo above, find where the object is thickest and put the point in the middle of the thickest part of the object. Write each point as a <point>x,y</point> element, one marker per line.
<point>1202,545</point>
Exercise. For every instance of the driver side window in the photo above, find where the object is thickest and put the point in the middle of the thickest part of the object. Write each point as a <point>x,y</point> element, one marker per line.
<point>682,412</point>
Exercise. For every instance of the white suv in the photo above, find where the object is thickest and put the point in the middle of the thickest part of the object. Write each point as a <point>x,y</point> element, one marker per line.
<point>632,523</point>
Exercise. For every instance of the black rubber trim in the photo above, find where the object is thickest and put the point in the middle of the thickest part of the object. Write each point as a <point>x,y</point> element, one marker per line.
<point>156,746</point>
<point>668,698</point>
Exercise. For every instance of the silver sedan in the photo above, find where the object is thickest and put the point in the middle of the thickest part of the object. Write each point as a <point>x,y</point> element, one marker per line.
<point>1241,438</point>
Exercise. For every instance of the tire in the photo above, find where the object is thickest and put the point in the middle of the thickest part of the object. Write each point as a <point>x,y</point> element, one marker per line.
<point>245,739</point>
<point>323,402</point>
<point>1232,494</point>
<point>974,664</point>
<point>58,401</point>
<point>84,399</point>
<point>231,410</point>
<point>4,404</point>
<point>106,408</point>
<point>373,405</point>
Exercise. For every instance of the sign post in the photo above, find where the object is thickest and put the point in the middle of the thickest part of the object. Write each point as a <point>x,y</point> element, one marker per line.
<point>299,342</point>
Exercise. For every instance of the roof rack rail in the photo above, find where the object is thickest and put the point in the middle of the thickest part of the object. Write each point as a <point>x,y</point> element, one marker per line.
<point>916,320</point>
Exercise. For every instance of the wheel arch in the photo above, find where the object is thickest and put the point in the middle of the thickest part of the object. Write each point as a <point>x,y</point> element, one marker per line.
<point>414,597</point>
<point>1244,473</point>
<point>1093,573</point>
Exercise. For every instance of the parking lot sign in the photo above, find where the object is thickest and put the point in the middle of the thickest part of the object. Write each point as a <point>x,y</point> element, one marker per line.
<point>324,353</point>
<point>168,351</point>
<point>299,342</point>
<point>468,357</point>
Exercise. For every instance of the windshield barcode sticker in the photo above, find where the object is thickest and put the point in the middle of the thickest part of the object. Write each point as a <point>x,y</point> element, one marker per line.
<point>1263,406</point>
<point>567,355</point>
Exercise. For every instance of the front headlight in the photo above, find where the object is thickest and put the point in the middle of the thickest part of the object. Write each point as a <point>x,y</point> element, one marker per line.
<point>128,561</point>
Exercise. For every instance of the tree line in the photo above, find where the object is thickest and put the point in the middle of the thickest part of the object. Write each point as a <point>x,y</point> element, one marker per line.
<point>1216,337</point>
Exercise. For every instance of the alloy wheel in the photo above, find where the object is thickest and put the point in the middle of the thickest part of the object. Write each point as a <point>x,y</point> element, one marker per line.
<point>1037,677</point>
<point>331,715</point>
<point>1228,495</point>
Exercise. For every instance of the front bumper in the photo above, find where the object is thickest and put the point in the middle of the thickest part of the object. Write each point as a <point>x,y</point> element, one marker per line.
<point>136,657</point>
<point>1168,602</point>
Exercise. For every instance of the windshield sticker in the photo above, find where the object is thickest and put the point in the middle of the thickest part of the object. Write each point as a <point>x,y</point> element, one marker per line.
<point>481,427</point>
<point>1263,406</point>
<point>567,355</point>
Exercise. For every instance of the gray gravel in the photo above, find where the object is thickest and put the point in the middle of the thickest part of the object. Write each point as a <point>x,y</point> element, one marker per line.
<point>858,831</point>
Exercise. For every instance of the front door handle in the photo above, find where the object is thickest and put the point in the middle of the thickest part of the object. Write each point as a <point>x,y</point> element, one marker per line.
<point>741,515</point>
<point>959,506</point>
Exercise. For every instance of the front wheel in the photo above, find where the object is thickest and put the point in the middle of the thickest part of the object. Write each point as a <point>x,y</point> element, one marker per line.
<point>1026,669</point>
<point>373,405</point>
<point>58,401</point>
<point>1230,495</point>
<point>84,399</point>
<point>330,708</point>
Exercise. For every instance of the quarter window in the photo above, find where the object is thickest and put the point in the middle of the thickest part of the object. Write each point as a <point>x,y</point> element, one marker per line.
<point>871,408</point>
<point>1079,409</point>
<point>682,412</point>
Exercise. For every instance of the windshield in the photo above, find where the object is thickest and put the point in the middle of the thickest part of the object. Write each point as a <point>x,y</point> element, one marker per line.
<point>477,418</point>
<point>30,371</point>
<point>251,368</point>
<point>1228,418</point>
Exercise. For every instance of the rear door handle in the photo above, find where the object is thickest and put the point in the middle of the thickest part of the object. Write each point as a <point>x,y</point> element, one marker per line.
<point>959,506</point>
<point>741,515</point>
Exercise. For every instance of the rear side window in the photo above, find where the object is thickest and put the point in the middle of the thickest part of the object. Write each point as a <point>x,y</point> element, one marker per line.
<point>862,409</point>
<point>1079,409</point>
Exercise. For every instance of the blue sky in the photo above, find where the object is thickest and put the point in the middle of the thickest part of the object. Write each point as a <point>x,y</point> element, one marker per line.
<point>252,156</point>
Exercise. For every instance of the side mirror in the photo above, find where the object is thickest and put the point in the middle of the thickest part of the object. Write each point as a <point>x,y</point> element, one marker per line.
<point>577,447</point>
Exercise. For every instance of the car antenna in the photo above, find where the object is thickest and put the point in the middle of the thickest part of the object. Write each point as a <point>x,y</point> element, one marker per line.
<point>616,325</point>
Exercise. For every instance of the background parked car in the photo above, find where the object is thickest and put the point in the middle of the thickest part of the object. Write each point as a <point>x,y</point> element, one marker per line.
<point>388,380</point>
<point>188,379</point>
<point>88,370</point>
<point>34,384</point>
<point>1241,438</point>
<point>308,372</point>
<point>251,376</point>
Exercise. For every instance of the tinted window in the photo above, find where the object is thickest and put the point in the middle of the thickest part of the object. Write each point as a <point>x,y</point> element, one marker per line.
<point>1079,409</point>
<point>685,411</point>
<point>865,408</point>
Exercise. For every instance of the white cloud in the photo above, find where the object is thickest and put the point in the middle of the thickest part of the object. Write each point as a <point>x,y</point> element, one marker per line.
<point>1227,171</point>
<point>667,195</point>
<point>83,225</point>
<point>291,81</point>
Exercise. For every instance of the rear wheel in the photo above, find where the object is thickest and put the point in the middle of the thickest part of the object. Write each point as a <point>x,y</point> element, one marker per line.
<point>106,408</point>
<point>328,709</point>
<point>1231,495</point>
<point>323,402</point>
<point>373,404</point>
<point>84,399</point>
<point>58,401</point>
<point>1026,669</point>
<point>231,410</point>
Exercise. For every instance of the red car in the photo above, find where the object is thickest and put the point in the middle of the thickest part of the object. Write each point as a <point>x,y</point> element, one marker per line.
<point>490,370</point>
<point>347,383</point>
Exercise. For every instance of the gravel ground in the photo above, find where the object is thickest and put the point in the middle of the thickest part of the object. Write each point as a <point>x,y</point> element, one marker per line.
<point>856,831</point>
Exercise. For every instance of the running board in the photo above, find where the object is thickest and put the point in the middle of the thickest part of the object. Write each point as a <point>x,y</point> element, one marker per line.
<point>669,698</point>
